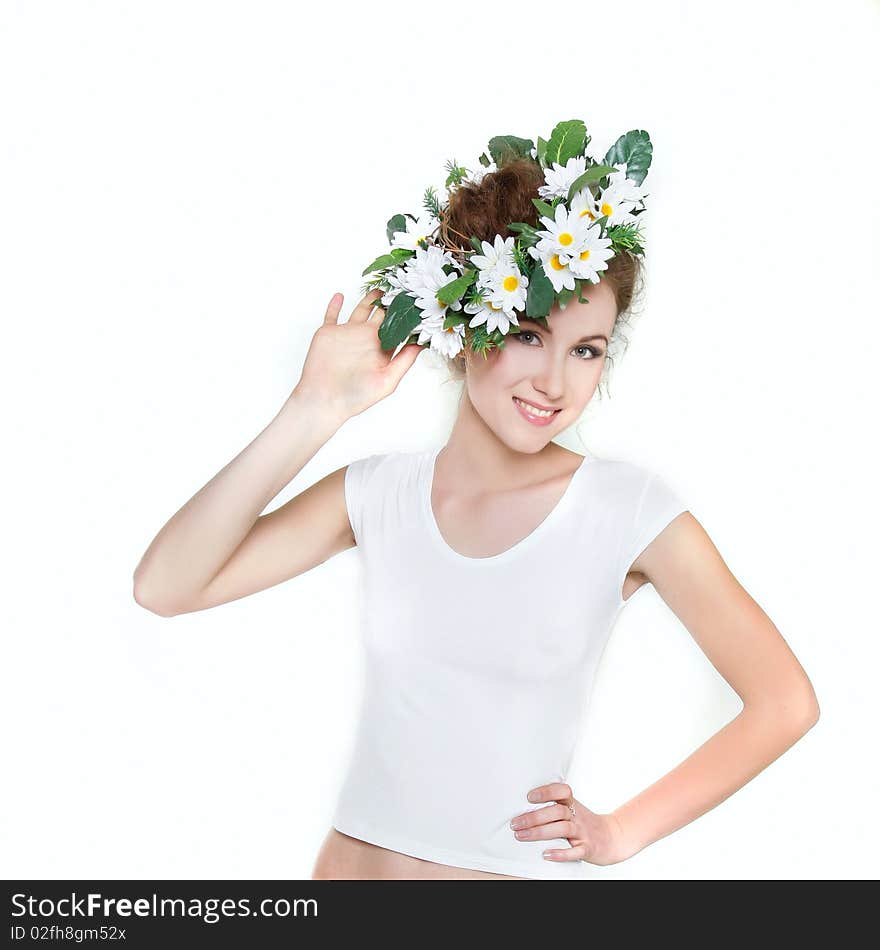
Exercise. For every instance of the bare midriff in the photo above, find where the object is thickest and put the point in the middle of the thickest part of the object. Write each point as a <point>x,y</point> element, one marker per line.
<point>343,858</point>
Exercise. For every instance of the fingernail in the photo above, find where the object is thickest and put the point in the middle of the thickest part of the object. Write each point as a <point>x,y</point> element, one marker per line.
<point>532,796</point>
<point>549,855</point>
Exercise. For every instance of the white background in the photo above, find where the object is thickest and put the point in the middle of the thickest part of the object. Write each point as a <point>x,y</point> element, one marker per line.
<point>185,185</point>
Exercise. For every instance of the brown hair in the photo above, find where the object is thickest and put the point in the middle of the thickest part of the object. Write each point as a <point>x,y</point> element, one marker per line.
<point>503,196</point>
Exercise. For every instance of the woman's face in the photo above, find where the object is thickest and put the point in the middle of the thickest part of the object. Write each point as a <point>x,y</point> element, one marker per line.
<point>557,368</point>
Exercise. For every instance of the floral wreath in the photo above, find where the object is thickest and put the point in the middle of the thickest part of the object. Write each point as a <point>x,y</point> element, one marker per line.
<point>454,298</point>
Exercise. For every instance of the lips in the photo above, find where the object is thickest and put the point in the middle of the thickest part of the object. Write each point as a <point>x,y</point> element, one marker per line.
<point>537,420</point>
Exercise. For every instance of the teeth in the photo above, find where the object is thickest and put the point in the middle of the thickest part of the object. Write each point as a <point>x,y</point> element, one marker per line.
<point>534,410</point>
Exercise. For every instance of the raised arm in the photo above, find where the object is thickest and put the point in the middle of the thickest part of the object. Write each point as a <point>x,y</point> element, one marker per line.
<point>218,547</point>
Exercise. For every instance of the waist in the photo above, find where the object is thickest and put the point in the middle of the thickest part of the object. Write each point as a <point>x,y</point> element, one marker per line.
<point>343,857</point>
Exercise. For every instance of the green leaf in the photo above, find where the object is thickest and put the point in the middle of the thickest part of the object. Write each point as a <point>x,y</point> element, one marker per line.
<point>564,296</point>
<point>397,256</point>
<point>484,160</point>
<point>592,174</point>
<point>541,149</point>
<point>579,283</point>
<point>397,223</point>
<point>528,235</point>
<point>544,208</point>
<point>477,244</point>
<point>503,148</point>
<point>600,224</point>
<point>540,294</point>
<point>636,150</point>
<point>401,318</point>
<point>452,291</point>
<point>567,141</point>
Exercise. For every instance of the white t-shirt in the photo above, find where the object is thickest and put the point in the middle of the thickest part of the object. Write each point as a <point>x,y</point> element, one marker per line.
<point>477,670</point>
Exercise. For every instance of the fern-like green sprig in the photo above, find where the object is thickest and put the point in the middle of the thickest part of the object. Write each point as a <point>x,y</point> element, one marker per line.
<point>519,255</point>
<point>431,201</point>
<point>375,282</point>
<point>626,237</point>
<point>456,175</point>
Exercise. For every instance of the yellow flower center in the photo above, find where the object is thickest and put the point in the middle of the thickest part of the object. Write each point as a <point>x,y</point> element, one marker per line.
<point>554,263</point>
<point>606,208</point>
<point>492,306</point>
<point>588,212</point>
<point>565,239</point>
<point>510,283</point>
<point>585,254</point>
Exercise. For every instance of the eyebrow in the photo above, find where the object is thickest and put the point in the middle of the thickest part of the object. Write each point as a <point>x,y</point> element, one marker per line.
<point>583,339</point>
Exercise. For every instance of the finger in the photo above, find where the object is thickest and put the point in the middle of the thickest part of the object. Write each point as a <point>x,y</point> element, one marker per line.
<point>365,305</point>
<point>403,361</point>
<point>577,853</point>
<point>378,312</point>
<point>553,829</point>
<point>553,792</point>
<point>333,308</point>
<point>540,816</point>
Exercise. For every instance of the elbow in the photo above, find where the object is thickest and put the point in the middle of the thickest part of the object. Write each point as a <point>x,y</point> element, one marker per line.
<point>795,710</point>
<point>808,707</point>
<point>144,599</point>
<point>811,716</point>
<point>800,710</point>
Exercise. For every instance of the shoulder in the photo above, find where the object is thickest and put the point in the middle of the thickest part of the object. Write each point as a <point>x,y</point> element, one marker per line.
<point>639,500</point>
<point>621,481</point>
<point>380,467</point>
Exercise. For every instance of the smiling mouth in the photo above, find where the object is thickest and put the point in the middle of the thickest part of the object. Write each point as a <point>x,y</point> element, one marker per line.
<point>535,412</point>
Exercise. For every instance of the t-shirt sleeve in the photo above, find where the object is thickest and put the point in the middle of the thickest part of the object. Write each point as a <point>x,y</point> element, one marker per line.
<point>658,504</point>
<point>357,483</point>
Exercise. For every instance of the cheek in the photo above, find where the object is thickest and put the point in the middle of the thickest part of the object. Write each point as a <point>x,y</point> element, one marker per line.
<point>505,367</point>
<point>491,381</point>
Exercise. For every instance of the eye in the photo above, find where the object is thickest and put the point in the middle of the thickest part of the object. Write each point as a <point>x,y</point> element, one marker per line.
<point>591,352</point>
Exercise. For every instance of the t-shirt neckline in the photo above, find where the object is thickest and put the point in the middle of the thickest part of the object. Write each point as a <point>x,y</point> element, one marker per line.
<point>427,485</point>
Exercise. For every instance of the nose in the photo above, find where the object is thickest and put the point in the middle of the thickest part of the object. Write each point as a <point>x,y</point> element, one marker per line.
<point>550,382</point>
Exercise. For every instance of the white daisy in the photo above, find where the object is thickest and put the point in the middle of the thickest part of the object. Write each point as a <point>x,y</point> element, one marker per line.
<point>396,278</point>
<point>492,314</point>
<point>426,268</point>
<point>556,269</point>
<point>418,230</point>
<point>565,235</point>
<point>499,253</point>
<point>593,257</point>
<point>426,295</point>
<point>629,190</point>
<point>509,287</point>
<point>584,205</point>
<point>612,203</point>
<point>620,197</point>
<point>447,342</point>
<point>558,179</point>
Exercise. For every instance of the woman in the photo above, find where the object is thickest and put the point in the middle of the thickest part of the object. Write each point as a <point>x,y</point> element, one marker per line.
<point>476,678</point>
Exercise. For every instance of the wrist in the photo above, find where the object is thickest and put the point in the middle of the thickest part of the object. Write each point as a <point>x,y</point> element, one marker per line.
<point>316,410</point>
<point>626,844</point>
